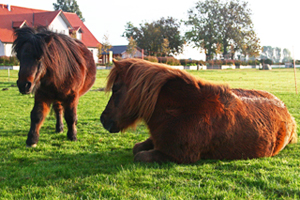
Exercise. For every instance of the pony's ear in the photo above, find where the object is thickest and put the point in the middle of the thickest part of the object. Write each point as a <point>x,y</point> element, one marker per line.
<point>116,63</point>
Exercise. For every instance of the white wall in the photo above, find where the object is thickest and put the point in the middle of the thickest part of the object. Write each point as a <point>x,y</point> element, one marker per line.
<point>78,35</point>
<point>95,53</point>
<point>5,49</point>
<point>58,25</point>
<point>137,54</point>
<point>8,49</point>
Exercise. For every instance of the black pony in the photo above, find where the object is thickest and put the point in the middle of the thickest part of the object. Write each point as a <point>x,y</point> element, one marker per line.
<point>58,70</point>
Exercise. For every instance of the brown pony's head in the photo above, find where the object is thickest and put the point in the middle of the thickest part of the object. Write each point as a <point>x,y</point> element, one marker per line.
<point>135,86</point>
<point>29,48</point>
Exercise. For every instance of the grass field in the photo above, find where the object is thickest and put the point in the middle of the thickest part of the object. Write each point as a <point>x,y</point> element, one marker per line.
<point>100,165</point>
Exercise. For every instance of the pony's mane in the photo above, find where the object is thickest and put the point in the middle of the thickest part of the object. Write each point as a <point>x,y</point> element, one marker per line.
<point>60,54</point>
<point>144,81</point>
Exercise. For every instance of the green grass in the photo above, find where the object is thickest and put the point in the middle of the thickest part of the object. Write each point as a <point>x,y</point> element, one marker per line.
<point>100,165</point>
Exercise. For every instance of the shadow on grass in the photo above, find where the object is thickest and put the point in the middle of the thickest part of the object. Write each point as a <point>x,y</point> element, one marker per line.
<point>59,162</point>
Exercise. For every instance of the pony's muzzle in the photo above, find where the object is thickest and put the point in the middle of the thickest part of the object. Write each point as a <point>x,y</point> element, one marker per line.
<point>24,87</point>
<point>109,124</point>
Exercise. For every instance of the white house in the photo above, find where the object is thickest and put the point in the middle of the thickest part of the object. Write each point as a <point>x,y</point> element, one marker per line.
<point>13,17</point>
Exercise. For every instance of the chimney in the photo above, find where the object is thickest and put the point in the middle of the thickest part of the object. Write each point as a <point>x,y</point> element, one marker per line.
<point>8,7</point>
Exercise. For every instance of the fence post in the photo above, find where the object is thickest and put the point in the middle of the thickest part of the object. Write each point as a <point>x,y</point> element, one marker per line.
<point>8,73</point>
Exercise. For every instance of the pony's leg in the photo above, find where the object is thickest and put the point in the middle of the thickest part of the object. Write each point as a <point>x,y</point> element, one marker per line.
<point>153,156</point>
<point>58,109</point>
<point>71,117</point>
<point>37,116</point>
<point>143,146</point>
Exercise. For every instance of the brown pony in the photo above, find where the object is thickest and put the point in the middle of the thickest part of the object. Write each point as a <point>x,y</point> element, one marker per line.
<point>191,119</point>
<point>58,69</point>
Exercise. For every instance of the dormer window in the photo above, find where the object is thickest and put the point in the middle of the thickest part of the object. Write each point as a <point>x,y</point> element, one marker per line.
<point>76,33</point>
<point>19,24</point>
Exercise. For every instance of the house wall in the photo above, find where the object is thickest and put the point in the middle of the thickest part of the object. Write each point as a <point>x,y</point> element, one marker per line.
<point>1,49</point>
<point>137,54</point>
<point>5,49</point>
<point>78,35</point>
<point>95,53</point>
<point>58,25</point>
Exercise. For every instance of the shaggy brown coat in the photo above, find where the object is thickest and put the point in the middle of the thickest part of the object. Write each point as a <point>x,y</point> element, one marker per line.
<point>191,119</point>
<point>58,70</point>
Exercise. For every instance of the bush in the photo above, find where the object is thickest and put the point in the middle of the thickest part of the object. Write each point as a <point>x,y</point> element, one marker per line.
<point>218,62</point>
<point>173,61</point>
<point>162,59</point>
<point>210,62</point>
<point>244,63</point>
<point>237,63</point>
<point>227,62</point>
<point>201,62</point>
<point>188,62</point>
<point>266,61</point>
<point>8,61</point>
<point>253,62</point>
<point>151,58</point>
<point>279,63</point>
<point>183,62</point>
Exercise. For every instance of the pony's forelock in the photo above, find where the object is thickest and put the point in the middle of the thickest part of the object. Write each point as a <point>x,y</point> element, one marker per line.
<point>111,79</point>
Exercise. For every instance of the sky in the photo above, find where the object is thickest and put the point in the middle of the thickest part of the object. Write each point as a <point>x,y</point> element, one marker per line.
<point>276,22</point>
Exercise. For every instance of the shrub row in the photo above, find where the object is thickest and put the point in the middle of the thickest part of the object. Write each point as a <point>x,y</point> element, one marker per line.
<point>233,62</point>
<point>188,62</point>
<point>8,61</point>
<point>173,61</point>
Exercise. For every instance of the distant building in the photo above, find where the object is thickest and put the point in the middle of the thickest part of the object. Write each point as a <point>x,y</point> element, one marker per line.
<point>120,51</point>
<point>14,17</point>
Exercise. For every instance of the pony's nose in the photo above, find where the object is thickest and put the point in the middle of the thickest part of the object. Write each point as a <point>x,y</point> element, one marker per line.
<point>24,87</point>
<point>27,86</point>
<point>109,124</point>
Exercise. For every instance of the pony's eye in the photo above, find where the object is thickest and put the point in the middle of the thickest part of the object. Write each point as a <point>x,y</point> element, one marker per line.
<point>115,88</point>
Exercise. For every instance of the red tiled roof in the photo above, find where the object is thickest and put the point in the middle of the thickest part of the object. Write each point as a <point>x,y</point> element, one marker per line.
<point>87,37</point>
<point>45,18</point>
<point>10,19</point>
<point>6,25</point>
<point>17,10</point>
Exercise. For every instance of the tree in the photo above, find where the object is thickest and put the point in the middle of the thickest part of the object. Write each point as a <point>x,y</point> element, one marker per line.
<point>203,20</point>
<point>151,36</point>
<point>250,45</point>
<point>165,47</point>
<point>267,52</point>
<point>68,6</point>
<point>228,24</point>
<point>131,47</point>
<point>287,56</point>
<point>104,46</point>
<point>277,55</point>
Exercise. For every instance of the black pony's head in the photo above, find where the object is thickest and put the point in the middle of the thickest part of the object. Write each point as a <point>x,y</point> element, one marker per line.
<point>43,53</point>
<point>29,47</point>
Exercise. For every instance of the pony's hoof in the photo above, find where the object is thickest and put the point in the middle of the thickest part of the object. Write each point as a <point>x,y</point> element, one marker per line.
<point>143,156</point>
<point>33,145</point>
<point>136,149</point>
<point>73,139</point>
<point>59,129</point>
